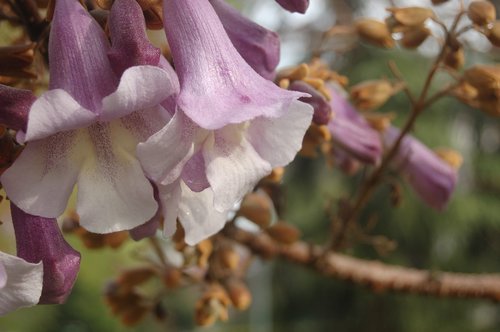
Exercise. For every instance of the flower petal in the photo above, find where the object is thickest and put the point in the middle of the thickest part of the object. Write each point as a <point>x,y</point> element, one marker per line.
<point>217,86</point>
<point>39,239</point>
<point>3,276</point>
<point>170,196</point>
<point>15,104</point>
<point>294,6</point>
<point>56,111</point>
<point>277,140</point>
<point>113,193</point>
<point>197,215</point>
<point>24,283</point>
<point>140,87</point>
<point>43,176</point>
<point>165,153</point>
<point>233,166</point>
<point>193,173</point>
<point>78,56</point>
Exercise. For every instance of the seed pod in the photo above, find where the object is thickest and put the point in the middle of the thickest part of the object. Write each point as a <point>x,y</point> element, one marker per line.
<point>131,278</point>
<point>375,32</point>
<point>454,58</point>
<point>481,12</point>
<point>228,258</point>
<point>371,94</point>
<point>485,78</point>
<point>414,37</point>
<point>438,2</point>
<point>493,34</point>
<point>380,121</point>
<point>238,293</point>
<point>258,208</point>
<point>411,16</point>
<point>284,233</point>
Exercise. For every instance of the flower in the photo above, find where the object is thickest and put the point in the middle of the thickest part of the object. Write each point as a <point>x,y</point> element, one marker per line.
<point>350,131</point>
<point>40,240</point>
<point>258,46</point>
<point>231,126</point>
<point>432,178</point>
<point>20,283</point>
<point>85,130</point>
<point>294,6</point>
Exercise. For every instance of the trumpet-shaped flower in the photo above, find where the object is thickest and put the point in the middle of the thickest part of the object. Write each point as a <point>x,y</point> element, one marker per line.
<point>258,46</point>
<point>85,130</point>
<point>432,178</point>
<point>40,240</point>
<point>350,131</point>
<point>294,6</point>
<point>20,283</point>
<point>231,126</point>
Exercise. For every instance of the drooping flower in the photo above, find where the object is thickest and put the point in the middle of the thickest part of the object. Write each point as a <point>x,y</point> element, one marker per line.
<point>40,240</point>
<point>350,131</point>
<point>258,46</point>
<point>432,178</point>
<point>294,6</point>
<point>322,109</point>
<point>85,130</point>
<point>20,283</point>
<point>231,126</point>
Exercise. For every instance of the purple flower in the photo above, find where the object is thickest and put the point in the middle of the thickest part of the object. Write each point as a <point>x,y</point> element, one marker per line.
<point>351,132</point>
<point>231,126</point>
<point>432,178</point>
<point>294,6</point>
<point>40,240</point>
<point>258,46</point>
<point>85,130</point>
<point>20,283</point>
<point>322,109</point>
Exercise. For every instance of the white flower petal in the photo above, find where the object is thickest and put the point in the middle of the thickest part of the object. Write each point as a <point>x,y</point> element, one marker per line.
<point>170,196</point>
<point>42,178</point>
<point>140,87</point>
<point>233,166</point>
<point>113,193</point>
<point>278,140</point>
<point>198,216</point>
<point>3,276</point>
<point>24,283</point>
<point>56,111</point>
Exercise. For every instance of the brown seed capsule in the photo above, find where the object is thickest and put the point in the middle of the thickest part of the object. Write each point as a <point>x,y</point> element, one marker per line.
<point>371,94</point>
<point>411,16</point>
<point>485,78</point>
<point>133,277</point>
<point>238,293</point>
<point>228,258</point>
<point>454,58</point>
<point>493,34</point>
<point>380,121</point>
<point>284,232</point>
<point>481,12</point>
<point>258,208</point>
<point>375,32</point>
<point>204,250</point>
<point>438,2</point>
<point>415,36</point>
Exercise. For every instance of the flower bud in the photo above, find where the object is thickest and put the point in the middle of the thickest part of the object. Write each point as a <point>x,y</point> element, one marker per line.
<point>238,293</point>
<point>294,6</point>
<point>375,32</point>
<point>371,94</point>
<point>15,61</point>
<point>481,12</point>
<point>493,34</point>
<point>228,258</point>
<point>284,232</point>
<point>414,37</point>
<point>411,16</point>
<point>485,78</point>
<point>212,305</point>
<point>454,58</point>
<point>131,278</point>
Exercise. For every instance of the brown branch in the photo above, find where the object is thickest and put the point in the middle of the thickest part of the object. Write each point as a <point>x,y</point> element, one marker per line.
<point>376,275</point>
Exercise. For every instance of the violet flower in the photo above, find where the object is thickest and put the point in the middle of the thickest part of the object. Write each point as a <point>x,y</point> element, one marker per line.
<point>350,131</point>
<point>258,46</point>
<point>20,283</point>
<point>85,130</point>
<point>322,109</point>
<point>294,6</point>
<point>432,178</point>
<point>40,240</point>
<point>230,129</point>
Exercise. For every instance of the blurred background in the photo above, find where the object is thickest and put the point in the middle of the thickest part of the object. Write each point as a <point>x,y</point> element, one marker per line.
<point>464,238</point>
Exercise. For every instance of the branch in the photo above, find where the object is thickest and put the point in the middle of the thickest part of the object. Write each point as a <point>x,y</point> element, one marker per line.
<point>374,274</point>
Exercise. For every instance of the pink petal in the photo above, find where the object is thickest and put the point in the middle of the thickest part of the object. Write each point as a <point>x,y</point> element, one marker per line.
<point>217,86</point>
<point>294,6</point>
<point>14,106</point>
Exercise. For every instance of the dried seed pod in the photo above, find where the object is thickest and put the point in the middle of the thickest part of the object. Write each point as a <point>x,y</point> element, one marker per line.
<point>493,34</point>
<point>371,94</point>
<point>411,16</point>
<point>481,12</point>
<point>454,58</point>
<point>414,37</point>
<point>238,293</point>
<point>133,277</point>
<point>284,232</point>
<point>485,78</point>
<point>212,305</point>
<point>375,32</point>
<point>228,257</point>
<point>258,208</point>
<point>438,2</point>
<point>380,121</point>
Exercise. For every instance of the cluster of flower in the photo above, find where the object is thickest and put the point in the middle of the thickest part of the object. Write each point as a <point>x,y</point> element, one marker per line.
<point>141,141</point>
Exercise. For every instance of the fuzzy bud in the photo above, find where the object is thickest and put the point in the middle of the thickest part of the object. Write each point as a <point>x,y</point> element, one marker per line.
<point>375,32</point>
<point>481,12</point>
<point>372,94</point>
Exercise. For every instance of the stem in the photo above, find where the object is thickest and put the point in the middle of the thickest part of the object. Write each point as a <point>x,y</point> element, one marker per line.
<point>375,178</point>
<point>158,250</point>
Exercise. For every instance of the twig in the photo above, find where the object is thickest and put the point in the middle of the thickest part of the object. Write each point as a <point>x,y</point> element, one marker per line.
<point>374,274</point>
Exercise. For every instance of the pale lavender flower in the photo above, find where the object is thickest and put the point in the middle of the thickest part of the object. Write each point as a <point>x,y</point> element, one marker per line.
<point>85,130</point>
<point>40,240</point>
<point>350,131</point>
<point>230,129</point>
<point>294,6</point>
<point>259,46</point>
<point>432,178</point>
<point>20,283</point>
